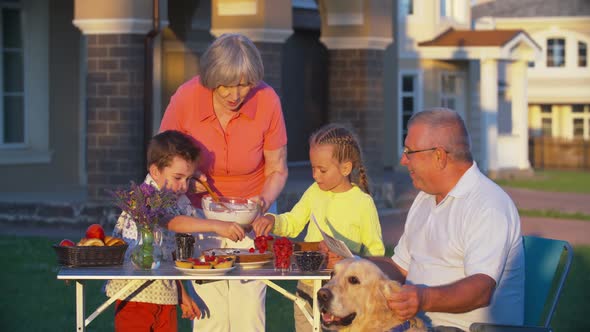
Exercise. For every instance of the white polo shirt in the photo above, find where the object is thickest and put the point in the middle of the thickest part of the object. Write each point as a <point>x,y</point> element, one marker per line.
<point>474,229</point>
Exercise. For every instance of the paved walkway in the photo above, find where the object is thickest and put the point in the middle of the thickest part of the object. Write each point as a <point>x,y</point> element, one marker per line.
<point>576,232</point>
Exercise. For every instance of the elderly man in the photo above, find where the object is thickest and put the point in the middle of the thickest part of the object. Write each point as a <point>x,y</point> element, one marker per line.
<point>461,254</point>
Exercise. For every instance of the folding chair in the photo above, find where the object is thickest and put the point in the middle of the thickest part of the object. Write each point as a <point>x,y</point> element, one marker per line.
<point>542,257</point>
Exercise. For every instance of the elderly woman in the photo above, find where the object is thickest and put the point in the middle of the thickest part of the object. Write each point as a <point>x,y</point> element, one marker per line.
<point>237,121</point>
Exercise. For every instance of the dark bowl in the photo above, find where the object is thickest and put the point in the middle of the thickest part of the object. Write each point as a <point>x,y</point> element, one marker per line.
<point>309,261</point>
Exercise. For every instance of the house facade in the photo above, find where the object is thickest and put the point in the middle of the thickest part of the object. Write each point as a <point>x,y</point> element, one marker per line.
<point>559,80</point>
<point>86,83</point>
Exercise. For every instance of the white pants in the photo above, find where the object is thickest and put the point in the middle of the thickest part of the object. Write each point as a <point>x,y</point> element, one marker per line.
<point>230,306</point>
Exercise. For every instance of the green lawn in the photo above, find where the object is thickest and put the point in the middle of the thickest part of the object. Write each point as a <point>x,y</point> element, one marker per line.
<point>34,300</point>
<point>553,180</point>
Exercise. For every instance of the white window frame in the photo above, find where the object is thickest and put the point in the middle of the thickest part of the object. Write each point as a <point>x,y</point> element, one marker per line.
<point>458,97</point>
<point>417,94</point>
<point>585,117</point>
<point>35,34</point>
<point>579,56</point>
<point>402,8</point>
<point>565,52</point>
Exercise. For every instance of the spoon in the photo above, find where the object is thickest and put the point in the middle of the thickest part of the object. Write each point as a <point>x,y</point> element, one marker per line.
<point>213,194</point>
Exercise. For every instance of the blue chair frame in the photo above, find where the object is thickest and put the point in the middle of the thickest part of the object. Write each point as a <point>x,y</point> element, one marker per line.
<point>542,258</point>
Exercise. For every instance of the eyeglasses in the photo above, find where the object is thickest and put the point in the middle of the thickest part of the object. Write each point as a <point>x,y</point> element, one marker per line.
<point>408,152</point>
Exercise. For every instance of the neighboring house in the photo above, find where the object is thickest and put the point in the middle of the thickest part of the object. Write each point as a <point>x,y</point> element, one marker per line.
<point>481,74</point>
<point>83,94</point>
<point>559,80</point>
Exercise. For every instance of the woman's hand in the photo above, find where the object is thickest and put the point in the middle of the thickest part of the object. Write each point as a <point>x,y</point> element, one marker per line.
<point>195,183</point>
<point>261,202</point>
<point>189,308</point>
<point>230,230</point>
<point>331,258</point>
<point>263,225</point>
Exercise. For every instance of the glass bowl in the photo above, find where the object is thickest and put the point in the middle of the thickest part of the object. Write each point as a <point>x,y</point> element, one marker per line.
<point>235,209</point>
<point>309,261</point>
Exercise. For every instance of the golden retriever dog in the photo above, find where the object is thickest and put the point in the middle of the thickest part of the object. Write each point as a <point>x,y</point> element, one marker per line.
<point>355,298</point>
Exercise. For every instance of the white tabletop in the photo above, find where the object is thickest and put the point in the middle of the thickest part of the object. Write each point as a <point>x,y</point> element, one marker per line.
<point>168,271</point>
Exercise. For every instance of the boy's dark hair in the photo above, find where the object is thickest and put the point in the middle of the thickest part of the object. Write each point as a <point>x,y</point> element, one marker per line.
<point>168,144</point>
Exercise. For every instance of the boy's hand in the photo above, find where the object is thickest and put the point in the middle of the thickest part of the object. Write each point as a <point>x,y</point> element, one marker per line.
<point>331,258</point>
<point>263,225</point>
<point>230,230</point>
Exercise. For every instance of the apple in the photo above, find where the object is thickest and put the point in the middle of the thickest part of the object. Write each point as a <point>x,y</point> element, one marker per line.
<point>67,243</point>
<point>95,231</point>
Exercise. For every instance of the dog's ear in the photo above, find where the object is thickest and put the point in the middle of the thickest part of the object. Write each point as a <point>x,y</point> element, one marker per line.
<point>388,287</point>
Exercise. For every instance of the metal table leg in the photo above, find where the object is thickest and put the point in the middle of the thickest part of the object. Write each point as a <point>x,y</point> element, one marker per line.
<point>317,284</point>
<point>80,306</point>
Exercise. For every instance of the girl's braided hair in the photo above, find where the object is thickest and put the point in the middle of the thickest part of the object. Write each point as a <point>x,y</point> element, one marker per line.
<point>346,148</point>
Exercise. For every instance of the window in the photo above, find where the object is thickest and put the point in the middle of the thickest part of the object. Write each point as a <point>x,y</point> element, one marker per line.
<point>578,128</point>
<point>578,108</point>
<point>12,111</point>
<point>408,102</point>
<point>582,54</point>
<point>545,108</point>
<point>449,91</point>
<point>546,124</point>
<point>444,10</point>
<point>24,82</point>
<point>555,52</point>
<point>407,7</point>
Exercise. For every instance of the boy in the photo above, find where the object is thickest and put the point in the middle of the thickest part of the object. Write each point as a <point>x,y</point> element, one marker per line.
<point>172,160</point>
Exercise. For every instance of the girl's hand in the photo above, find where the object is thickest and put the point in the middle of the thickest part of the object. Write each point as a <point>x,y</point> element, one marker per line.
<point>331,258</point>
<point>263,225</point>
<point>230,230</point>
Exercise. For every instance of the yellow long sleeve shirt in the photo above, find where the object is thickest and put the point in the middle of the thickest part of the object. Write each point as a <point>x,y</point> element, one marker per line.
<point>350,216</point>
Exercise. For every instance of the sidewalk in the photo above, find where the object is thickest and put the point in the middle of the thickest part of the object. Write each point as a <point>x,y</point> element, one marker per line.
<point>576,232</point>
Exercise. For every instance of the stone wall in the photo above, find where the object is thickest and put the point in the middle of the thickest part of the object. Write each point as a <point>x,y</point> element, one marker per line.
<point>356,99</point>
<point>115,75</point>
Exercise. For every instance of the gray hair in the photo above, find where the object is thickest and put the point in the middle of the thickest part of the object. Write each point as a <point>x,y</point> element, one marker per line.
<point>448,131</point>
<point>228,59</point>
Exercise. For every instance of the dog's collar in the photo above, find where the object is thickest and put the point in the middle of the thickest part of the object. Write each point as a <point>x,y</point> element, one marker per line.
<point>401,327</point>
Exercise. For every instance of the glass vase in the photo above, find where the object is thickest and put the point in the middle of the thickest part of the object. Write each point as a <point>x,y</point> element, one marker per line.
<point>147,254</point>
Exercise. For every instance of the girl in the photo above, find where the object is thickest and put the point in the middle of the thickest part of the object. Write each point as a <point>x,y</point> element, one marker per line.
<point>339,200</point>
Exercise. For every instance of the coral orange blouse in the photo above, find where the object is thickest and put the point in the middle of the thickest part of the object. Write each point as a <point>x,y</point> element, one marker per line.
<point>233,159</point>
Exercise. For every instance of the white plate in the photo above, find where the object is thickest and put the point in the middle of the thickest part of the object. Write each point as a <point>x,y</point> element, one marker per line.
<point>208,272</point>
<point>253,265</point>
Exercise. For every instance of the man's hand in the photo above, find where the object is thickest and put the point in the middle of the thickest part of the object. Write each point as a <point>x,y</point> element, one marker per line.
<point>331,258</point>
<point>406,303</point>
<point>263,225</point>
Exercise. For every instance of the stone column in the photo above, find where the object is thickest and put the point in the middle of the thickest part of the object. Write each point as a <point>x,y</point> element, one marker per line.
<point>356,99</point>
<point>115,32</point>
<point>356,34</point>
<point>489,115</point>
<point>520,111</point>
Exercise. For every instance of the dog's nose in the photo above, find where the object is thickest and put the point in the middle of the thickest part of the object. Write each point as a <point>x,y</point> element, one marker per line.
<point>324,295</point>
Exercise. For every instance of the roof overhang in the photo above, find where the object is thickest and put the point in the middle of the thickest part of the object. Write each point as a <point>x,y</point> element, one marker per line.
<point>519,46</point>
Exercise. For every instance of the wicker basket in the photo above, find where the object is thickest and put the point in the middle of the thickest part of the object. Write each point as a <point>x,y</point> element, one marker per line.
<point>90,255</point>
